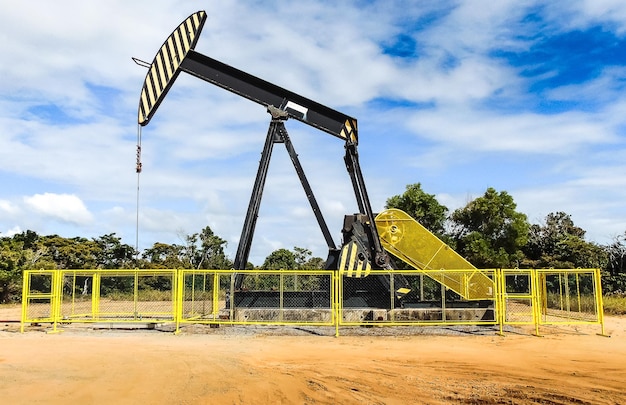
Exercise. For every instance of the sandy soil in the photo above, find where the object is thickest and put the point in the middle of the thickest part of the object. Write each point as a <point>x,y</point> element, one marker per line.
<point>272,365</point>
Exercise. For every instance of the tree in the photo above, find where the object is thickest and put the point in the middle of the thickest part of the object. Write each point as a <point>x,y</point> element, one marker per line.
<point>281,259</point>
<point>304,261</point>
<point>205,250</point>
<point>301,255</point>
<point>314,263</point>
<point>614,276</point>
<point>113,253</point>
<point>10,269</point>
<point>165,256</point>
<point>423,207</point>
<point>34,254</point>
<point>616,251</point>
<point>489,231</point>
<point>71,253</point>
<point>28,239</point>
<point>22,251</point>
<point>558,243</point>
<point>580,253</point>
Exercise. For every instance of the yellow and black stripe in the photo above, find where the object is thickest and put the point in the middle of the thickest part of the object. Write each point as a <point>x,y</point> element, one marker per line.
<point>350,265</point>
<point>349,130</point>
<point>164,67</point>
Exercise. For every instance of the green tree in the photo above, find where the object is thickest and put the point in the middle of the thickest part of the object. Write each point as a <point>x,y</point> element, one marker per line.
<point>305,261</point>
<point>114,254</point>
<point>29,239</point>
<point>11,261</point>
<point>614,276</point>
<point>577,252</point>
<point>34,253</point>
<point>18,253</point>
<point>423,207</point>
<point>301,256</point>
<point>205,250</point>
<point>314,263</point>
<point>558,243</point>
<point>165,256</point>
<point>616,252</point>
<point>543,239</point>
<point>489,231</point>
<point>281,259</point>
<point>71,253</point>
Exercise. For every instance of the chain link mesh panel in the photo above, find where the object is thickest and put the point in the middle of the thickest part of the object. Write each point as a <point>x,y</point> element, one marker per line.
<point>265,297</point>
<point>411,297</point>
<point>118,295</point>
<point>519,296</point>
<point>39,295</point>
<point>567,296</point>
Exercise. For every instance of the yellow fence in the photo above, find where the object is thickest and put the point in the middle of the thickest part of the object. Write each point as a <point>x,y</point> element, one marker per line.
<point>312,298</point>
<point>282,297</point>
<point>550,297</point>
<point>429,302</point>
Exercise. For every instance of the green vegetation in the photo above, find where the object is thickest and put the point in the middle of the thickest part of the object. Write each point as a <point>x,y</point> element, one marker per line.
<point>584,303</point>
<point>488,231</point>
<point>423,207</point>
<point>615,304</point>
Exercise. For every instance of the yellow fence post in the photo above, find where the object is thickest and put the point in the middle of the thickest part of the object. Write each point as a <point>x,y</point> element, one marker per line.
<point>535,299</point>
<point>281,295</point>
<point>599,302</point>
<point>175,301</point>
<point>500,288</point>
<point>337,296</point>
<point>180,298</point>
<point>216,295</point>
<point>57,293</point>
<point>25,298</point>
<point>543,291</point>
<point>95,295</point>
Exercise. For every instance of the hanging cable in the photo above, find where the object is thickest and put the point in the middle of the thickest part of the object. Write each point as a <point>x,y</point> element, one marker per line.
<point>138,170</point>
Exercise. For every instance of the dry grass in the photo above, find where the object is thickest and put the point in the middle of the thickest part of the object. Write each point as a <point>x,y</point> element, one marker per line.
<point>615,304</point>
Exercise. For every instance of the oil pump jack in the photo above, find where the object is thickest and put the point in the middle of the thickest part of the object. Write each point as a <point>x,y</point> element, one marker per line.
<point>361,249</point>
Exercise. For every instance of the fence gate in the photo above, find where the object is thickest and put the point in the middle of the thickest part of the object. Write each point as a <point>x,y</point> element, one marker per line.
<point>569,297</point>
<point>518,298</point>
<point>41,290</point>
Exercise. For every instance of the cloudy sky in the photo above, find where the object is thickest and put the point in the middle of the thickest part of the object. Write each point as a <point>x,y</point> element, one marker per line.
<point>523,96</point>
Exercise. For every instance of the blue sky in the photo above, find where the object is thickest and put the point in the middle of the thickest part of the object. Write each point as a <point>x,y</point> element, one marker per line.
<point>523,96</point>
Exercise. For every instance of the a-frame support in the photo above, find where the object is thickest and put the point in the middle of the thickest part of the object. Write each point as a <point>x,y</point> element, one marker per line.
<point>277,133</point>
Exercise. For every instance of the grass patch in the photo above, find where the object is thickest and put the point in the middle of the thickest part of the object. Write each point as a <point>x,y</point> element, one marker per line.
<point>573,303</point>
<point>142,295</point>
<point>614,304</point>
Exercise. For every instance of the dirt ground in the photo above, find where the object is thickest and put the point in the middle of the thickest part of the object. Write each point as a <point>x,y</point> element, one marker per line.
<point>83,365</point>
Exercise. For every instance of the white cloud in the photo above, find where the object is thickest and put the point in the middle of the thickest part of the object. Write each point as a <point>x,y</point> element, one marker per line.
<point>580,14</point>
<point>64,207</point>
<point>8,207</point>
<point>10,232</point>
<point>480,130</point>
